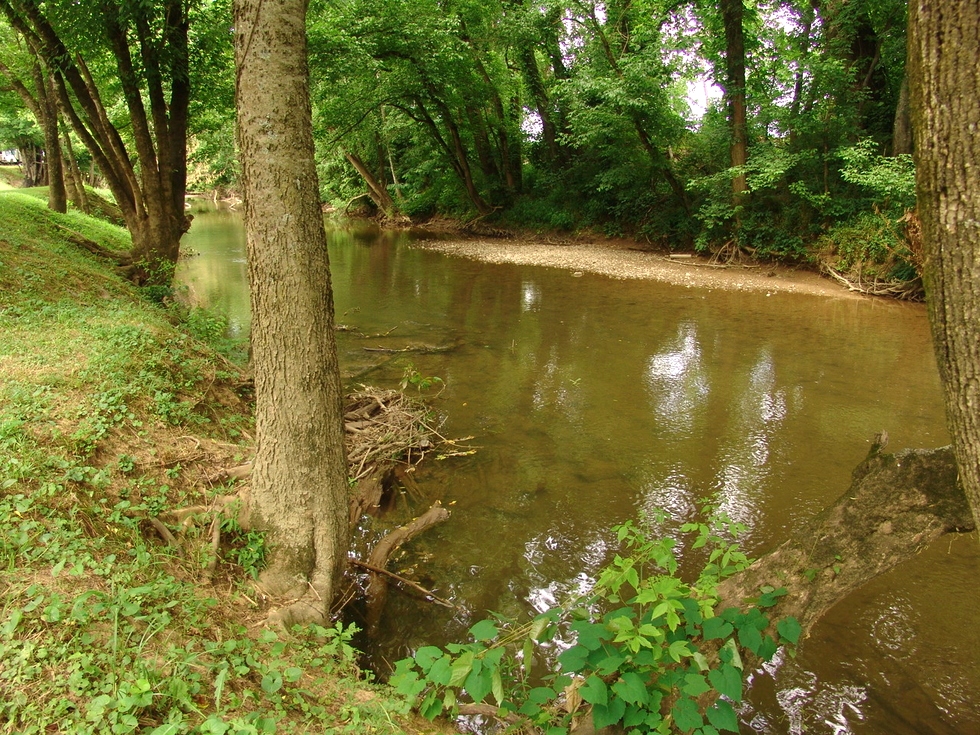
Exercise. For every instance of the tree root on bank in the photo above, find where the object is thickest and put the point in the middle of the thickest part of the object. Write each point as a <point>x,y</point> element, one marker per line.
<point>387,433</point>
<point>902,290</point>
<point>897,505</point>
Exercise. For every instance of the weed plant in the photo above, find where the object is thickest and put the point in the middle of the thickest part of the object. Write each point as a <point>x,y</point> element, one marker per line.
<point>110,416</point>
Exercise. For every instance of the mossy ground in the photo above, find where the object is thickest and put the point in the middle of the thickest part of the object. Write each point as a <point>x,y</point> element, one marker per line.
<point>113,413</point>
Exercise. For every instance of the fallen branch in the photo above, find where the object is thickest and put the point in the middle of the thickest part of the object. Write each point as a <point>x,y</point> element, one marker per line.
<point>387,545</point>
<point>404,580</point>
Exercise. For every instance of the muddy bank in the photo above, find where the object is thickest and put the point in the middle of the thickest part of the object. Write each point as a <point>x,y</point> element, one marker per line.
<point>618,259</point>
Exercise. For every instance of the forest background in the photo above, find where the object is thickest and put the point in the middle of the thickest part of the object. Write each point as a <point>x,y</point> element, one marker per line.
<point>773,129</point>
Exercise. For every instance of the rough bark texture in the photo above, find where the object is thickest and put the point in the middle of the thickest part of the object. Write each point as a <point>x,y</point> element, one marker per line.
<point>732,12</point>
<point>376,190</point>
<point>944,36</point>
<point>48,107</point>
<point>299,479</point>
<point>895,506</point>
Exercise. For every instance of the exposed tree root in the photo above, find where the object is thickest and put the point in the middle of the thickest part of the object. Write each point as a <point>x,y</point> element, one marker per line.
<point>896,505</point>
<point>405,581</point>
<point>377,588</point>
<point>902,290</point>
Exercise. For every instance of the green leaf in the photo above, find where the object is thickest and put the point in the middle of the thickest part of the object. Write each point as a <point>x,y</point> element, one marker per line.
<point>590,635</point>
<point>541,695</point>
<point>750,638</point>
<point>479,683</point>
<point>497,686</point>
<point>722,715</point>
<point>426,655</point>
<point>695,685</point>
<point>632,688</point>
<point>573,660</point>
<point>686,714</point>
<point>441,671</point>
<point>729,654</point>
<point>727,680</point>
<point>604,715</point>
<point>292,674</point>
<point>431,707</point>
<point>484,631</point>
<point>770,597</point>
<point>768,648</point>
<point>169,729</point>
<point>716,628</point>
<point>610,663</point>
<point>272,682</point>
<point>789,629</point>
<point>679,649</point>
<point>594,690</point>
<point>461,669</point>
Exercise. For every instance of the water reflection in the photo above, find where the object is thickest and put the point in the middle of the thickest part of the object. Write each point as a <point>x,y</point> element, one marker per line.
<point>677,382</point>
<point>594,399</point>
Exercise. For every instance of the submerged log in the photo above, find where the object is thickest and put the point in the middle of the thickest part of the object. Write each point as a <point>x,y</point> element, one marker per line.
<point>896,505</point>
<point>377,588</point>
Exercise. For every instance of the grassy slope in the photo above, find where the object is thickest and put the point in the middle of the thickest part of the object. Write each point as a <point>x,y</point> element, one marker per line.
<point>110,416</point>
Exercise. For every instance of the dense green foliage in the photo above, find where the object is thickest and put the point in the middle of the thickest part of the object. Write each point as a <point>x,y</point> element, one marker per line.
<point>572,114</point>
<point>643,650</point>
<point>579,114</point>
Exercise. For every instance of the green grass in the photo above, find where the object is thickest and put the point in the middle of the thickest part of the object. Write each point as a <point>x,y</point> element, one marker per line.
<point>111,416</point>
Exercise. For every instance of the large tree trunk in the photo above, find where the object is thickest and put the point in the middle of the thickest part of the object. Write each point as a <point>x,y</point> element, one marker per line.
<point>299,478</point>
<point>944,36</point>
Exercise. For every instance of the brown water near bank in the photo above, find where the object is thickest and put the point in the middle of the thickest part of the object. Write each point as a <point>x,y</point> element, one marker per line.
<point>593,399</point>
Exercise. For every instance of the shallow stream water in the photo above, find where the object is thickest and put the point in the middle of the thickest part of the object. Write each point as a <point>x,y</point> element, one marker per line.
<point>592,400</point>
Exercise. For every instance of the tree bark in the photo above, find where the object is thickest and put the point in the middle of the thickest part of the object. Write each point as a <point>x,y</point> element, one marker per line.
<point>48,107</point>
<point>376,190</point>
<point>299,477</point>
<point>902,128</point>
<point>944,36</point>
<point>732,12</point>
<point>74,182</point>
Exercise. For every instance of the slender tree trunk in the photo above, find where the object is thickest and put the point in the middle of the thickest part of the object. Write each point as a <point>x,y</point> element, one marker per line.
<point>149,192</point>
<point>299,477</point>
<point>376,190</point>
<point>74,183</point>
<point>47,103</point>
<point>732,12</point>
<point>902,129</point>
<point>944,76</point>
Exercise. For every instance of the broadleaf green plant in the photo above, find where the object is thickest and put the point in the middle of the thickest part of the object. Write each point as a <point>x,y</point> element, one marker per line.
<point>644,649</point>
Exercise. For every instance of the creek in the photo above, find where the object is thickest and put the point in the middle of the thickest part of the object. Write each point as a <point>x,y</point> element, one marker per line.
<point>592,400</point>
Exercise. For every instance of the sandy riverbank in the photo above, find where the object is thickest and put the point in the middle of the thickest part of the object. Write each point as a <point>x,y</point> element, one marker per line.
<point>618,260</point>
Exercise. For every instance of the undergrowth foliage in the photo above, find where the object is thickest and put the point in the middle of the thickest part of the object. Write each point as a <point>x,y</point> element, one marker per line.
<point>113,412</point>
<point>644,649</point>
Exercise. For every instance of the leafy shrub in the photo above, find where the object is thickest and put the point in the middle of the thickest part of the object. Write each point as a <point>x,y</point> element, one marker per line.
<point>640,650</point>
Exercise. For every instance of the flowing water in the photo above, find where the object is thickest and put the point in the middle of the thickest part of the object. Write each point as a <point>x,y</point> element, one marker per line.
<point>592,400</point>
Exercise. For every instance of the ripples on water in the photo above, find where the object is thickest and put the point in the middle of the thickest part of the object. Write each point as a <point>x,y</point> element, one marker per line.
<point>594,400</point>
